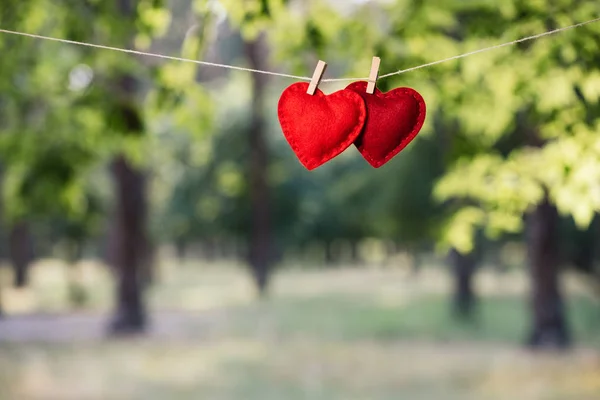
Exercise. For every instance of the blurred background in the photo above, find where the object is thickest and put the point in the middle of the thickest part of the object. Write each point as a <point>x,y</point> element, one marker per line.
<point>160,240</point>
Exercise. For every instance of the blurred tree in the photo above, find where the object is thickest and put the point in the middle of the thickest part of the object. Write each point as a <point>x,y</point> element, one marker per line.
<point>21,252</point>
<point>252,18</point>
<point>464,266</point>
<point>63,93</point>
<point>130,242</point>
<point>260,245</point>
<point>129,246</point>
<point>545,98</point>
<point>44,160</point>
<point>549,327</point>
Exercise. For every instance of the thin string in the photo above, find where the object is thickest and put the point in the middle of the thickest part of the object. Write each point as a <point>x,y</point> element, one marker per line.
<point>143,53</point>
<point>303,78</point>
<point>552,32</point>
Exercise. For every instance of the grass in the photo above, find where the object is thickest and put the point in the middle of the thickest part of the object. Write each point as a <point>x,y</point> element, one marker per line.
<point>499,319</point>
<point>342,334</point>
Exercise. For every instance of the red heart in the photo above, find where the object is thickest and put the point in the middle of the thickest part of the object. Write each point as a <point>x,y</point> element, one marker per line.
<point>395,118</point>
<point>319,127</point>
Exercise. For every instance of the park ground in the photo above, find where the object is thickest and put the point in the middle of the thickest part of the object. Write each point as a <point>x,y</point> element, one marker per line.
<point>343,333</point>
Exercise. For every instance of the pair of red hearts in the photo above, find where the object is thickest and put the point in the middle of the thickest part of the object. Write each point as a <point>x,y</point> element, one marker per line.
<point>319,127</point>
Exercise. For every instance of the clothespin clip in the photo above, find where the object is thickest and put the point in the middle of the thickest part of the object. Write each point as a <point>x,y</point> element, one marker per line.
<point>316,78</point>
<point>373,75</point>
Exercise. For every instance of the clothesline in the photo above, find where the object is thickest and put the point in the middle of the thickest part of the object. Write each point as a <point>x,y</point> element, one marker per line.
<point>303,78</point>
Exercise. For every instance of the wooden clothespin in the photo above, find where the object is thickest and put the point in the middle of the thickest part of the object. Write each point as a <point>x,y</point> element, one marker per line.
<point>316,78</point>
<point>373,75</point>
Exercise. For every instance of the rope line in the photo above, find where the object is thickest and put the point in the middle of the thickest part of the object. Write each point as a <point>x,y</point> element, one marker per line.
<point>303,78</point>
<point>539,35</point>
<point>143,53</point>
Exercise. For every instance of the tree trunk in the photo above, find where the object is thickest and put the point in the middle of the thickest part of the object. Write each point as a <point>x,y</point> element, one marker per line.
<point>130,228</point>
<point>21,252</point>
<point>148,254</point>
<point>130,243</point>
<point>77,294</point>
<point>463,267</point>
<point>548,315</point>
<point>260,232</point>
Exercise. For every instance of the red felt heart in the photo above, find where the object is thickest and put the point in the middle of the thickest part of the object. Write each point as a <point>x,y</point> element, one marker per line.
<point>319,127</point>
<point>395,118</point>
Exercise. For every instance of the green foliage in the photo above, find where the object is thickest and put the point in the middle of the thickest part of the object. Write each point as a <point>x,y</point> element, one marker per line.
<point>544,90</point>
<point>494,111</point>
<point>503,128</point>
<point>63,113</point>
<point>45,147</point>
<point>534,91</point>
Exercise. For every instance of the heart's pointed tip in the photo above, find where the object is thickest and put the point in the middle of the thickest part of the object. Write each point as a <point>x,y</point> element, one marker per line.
<point>310,165</point>
<point>376,164</point>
